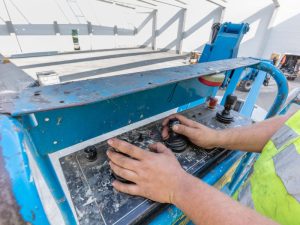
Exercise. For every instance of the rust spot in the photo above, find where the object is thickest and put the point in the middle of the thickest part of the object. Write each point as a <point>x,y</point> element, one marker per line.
<point>9,209</point>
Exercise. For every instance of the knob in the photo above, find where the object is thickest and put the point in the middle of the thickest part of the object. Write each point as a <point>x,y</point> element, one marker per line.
<point>176,142</point>
<point>224,116</point>
<point>90,153</point>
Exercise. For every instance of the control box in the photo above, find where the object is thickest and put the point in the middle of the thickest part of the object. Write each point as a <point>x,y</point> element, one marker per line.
<point>89,177</point>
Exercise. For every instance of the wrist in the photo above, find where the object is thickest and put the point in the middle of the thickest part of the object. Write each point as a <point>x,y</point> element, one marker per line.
<point>221,139</point>
<point>186,182</point>
<point>215,139</point>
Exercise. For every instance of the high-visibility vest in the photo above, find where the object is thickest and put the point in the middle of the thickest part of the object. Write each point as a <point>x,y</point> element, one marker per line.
<point>273,188</point>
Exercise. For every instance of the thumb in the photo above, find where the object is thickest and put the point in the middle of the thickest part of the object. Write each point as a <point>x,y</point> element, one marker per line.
<point>184,130</point>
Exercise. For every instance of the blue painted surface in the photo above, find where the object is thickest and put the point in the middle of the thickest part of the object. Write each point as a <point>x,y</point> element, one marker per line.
<point>231,87</point>
<point>241,174</point>
<point>282,86</point>
<point>252,96</point>
<point>226,44</point>
<point>54,186</point>
<point>95,90</point>
<point>101,117</point>
<point>218,172</point>
<point>12,143</point>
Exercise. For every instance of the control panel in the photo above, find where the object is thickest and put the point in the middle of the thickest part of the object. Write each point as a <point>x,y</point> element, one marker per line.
<point>89,177</point>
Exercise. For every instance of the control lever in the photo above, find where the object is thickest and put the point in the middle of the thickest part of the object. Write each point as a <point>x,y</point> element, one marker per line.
<point>225,116</point>
<point>176,142</point>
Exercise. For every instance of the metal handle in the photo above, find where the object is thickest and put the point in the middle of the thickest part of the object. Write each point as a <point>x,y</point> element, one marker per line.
<point>282,86</point>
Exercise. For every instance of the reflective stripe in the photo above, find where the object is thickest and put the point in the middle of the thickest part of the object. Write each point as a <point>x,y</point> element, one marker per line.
<point>245,197</point>
<point>287,167</point>
<point>283,135</point>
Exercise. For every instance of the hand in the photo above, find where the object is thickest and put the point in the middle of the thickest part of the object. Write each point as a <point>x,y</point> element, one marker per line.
<point>197,133</point>
<point>156,175</point>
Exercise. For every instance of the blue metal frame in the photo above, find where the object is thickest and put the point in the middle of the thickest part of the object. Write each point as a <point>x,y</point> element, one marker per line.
<point>12,148</point>
<point>226,43</point>
<point>47,114</point>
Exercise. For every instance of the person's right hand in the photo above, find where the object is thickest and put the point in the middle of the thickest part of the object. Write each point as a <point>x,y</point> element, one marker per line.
<point>197,133</point>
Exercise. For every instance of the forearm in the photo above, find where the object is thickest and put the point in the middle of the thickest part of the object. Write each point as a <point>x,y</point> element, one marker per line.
<point>207,206</point>
<point>252,138</point>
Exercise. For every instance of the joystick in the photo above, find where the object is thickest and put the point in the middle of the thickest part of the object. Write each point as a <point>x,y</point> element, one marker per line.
<point>90,153</point>
<point>176,142</point>
<point>224,116</point>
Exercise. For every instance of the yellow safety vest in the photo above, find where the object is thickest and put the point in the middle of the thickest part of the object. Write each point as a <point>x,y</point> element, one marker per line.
<point>274,186</point>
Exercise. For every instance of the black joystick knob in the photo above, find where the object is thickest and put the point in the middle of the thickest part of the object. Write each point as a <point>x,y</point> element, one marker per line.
<point>90,153</point>
<point>176,142</point>
<point>224,116</point>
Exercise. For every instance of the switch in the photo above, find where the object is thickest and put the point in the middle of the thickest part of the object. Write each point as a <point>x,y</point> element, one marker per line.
<point>90,153</point>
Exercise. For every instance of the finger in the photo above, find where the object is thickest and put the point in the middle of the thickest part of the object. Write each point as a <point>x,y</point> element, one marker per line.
<point>184,130</point>
<point>165,133</point>
<point>122,160</point>
<point>124,173</point>
<point>128,149</point>
<point>166,120</point>
<point>159,148</point>
<point>183,120</point>
<point>131,189</point>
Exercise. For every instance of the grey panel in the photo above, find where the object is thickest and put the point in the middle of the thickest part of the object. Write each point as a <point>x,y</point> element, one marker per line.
<point>12,80</point>
<point>245,196</point>
<point>287,167</point>
<point>283,135</point>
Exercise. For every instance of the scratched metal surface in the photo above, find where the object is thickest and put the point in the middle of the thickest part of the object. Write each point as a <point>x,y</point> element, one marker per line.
<point>89,183</point>
<point>89,91</point>
<point>9,209</point>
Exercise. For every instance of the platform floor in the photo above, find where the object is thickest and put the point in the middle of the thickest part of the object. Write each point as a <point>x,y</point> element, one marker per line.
<point>102,63</point>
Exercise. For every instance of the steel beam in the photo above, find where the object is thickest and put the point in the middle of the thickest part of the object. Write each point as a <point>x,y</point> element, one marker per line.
<point>180,32</point>
<point>154,28</point>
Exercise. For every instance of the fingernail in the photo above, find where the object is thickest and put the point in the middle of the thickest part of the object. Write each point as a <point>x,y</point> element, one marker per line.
<point>110,141</point>
<point>175,127</point>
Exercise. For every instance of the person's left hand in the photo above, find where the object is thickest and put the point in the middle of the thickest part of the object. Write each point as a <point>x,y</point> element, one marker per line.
<point>156,175</point>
